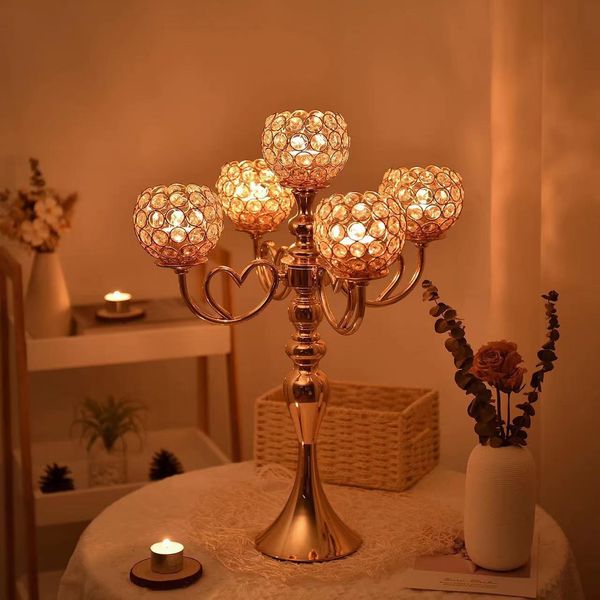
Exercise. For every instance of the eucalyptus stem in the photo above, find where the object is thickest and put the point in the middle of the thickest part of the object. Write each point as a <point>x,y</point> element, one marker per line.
<point>499,411</point>
<point>508,414</point>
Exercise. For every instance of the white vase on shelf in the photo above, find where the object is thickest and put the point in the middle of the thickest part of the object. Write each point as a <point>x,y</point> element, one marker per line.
<point>499,506</point>
<point>107,467</point>
<point>47,303</point>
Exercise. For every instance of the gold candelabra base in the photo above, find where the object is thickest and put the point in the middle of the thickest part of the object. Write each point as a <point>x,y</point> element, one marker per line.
<point>308,529</point>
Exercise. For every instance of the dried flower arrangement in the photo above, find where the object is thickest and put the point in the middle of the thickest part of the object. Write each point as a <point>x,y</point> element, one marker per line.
<point>497,365</point>
<point>36,217</point>
<point>109,421</point>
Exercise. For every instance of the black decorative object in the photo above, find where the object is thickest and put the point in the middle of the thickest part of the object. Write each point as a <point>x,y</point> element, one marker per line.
<point>164,464</point>
<point>55,479</point>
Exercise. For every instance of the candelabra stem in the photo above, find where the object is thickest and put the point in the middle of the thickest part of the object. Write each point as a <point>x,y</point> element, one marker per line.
<point>307,529</point>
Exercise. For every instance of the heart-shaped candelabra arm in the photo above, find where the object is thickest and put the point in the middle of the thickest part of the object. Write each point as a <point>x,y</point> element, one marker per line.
<point>223,315</point>
<point>267,250</point>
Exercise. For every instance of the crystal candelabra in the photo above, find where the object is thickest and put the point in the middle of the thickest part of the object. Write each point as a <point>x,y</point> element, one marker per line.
<point>340,245</point>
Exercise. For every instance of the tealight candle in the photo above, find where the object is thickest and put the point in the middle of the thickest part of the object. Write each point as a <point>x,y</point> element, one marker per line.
<point>117,302</point>
<point>166,557</point>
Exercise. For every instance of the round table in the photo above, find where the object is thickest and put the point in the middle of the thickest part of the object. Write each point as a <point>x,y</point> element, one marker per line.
<point>122,534</point>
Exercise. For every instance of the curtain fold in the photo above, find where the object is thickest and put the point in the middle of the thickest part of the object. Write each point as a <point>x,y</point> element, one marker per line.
<point>545,215</point>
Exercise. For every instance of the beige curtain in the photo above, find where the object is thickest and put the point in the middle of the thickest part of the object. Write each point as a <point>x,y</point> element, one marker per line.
<point>545,226</point>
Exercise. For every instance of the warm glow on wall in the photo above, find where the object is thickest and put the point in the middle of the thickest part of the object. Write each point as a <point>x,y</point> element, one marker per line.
<point>252,196</point>
<point>359,235</point>
<point>178,224</point>
<point>306,149</point>
<point>431,197</point>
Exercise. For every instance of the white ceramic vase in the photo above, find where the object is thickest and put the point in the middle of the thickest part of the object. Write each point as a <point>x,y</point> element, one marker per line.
<point>499,506</point>
<point>47,303</point>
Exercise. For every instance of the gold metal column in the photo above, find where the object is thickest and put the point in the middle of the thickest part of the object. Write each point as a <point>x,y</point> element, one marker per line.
<point>307,529</point>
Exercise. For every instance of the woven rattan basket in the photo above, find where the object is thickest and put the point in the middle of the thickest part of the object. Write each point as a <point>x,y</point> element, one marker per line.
<point>372,436</point>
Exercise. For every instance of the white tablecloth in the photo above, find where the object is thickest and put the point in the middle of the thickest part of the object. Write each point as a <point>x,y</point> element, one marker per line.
<point>122,534</point>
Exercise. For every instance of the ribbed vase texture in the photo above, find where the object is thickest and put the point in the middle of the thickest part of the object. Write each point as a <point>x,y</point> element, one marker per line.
<point>47,303</point>
<point>499,507</point>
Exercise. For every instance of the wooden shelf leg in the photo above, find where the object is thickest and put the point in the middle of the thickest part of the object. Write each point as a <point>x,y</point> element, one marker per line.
<point>6,434</point>
<point>25,434</point>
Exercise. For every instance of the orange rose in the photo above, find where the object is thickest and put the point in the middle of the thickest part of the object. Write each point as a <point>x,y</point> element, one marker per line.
<point>497,363</point>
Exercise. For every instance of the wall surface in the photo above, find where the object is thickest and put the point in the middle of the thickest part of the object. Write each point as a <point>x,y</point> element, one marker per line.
<point>570,223</point>
<point>115,96</point>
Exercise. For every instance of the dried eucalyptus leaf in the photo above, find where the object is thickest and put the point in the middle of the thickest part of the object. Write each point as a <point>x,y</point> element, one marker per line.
<point>436,311</point>
<point>452,345</point>
<point>485,395</point>
<point>463,379</point>
<point>473,408</point>
<point>441,326</point>
<point>482,428</point>
<point>475,386</point>
<point>465,362</point>
<point>518,421</point>
<point>547,355</point>
<point>496,442</point>
<point>486,413</point>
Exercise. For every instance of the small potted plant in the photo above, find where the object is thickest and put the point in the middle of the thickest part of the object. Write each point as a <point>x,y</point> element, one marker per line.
<point>104,427</point>
<point>500,479</point>
<point>37,217</point>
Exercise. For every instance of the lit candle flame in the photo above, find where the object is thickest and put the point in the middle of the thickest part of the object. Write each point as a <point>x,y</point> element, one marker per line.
<point>117,296</point>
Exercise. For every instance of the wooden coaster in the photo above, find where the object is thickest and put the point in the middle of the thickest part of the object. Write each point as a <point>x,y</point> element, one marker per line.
<point>133,313</point>
<point>141,574</point>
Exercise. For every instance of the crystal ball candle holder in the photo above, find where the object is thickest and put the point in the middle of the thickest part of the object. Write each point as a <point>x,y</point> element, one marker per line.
<point>359,235</point>
<point>178,224</point>
<point>306,149</point>
<point>431,197</point>
<point>252,196</point>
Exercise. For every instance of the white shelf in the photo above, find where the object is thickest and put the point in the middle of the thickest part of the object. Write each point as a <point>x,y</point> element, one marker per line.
<point>48,582</point>
<point>129,346</point>
<point>193,448</point>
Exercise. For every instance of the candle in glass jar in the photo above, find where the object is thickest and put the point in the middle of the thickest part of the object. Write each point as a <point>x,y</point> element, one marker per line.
<point>117,302</point>
<point>166,557</point>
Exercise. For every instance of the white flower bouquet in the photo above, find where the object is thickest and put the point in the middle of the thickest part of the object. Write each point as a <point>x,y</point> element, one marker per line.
<point>36,217</point>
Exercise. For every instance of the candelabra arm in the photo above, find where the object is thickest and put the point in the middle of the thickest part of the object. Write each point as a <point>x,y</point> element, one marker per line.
<point>356,303</point>
<point>387,297</point>
<point>395,282</point>
<point>266,250</point>
<point>223,316</point>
